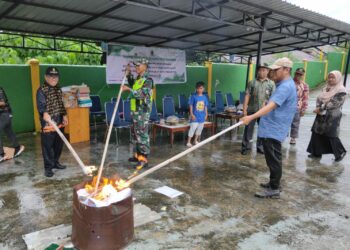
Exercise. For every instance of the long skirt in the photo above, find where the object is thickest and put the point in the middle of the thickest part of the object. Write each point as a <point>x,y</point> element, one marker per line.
<point>322,144</point>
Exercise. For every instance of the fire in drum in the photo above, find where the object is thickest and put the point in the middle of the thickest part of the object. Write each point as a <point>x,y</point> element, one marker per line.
<point>102,220</point>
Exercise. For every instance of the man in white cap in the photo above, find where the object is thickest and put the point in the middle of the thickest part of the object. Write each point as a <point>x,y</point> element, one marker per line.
<point>276,119</point>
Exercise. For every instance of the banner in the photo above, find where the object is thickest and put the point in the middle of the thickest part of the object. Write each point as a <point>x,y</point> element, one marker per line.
<point>165,65</point>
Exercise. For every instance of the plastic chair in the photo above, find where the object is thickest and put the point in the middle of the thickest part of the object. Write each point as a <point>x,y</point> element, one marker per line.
<point>120,107</point>
<point>154,118</point>
<point>96,108</point>
<point>241,96</point>
<point>229,100</point>
<point>183,104</point>
<point>127,111</point>
<point>118,123</point>
<point>168,106</point>
<point>219,103</point>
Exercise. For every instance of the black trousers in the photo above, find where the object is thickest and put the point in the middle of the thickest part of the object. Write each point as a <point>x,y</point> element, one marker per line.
<point>51,145</point>
<point>248,135</point>
<point>273,157</point>
<point>6,127</point>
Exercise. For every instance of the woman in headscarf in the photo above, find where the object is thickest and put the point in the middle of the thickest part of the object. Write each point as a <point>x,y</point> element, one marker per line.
<point>325,130</point>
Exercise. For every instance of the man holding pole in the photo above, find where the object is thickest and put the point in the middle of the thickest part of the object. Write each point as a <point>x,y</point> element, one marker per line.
<point>141,104</point>
<point>276,119</point>
<point>50,107</point>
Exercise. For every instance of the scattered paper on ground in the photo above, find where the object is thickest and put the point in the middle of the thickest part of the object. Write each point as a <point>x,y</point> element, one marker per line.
<point>170,192</point>
<point>61,234</point>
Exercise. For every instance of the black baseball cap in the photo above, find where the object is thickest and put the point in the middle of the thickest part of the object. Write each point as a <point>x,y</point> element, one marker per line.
<point>52,71</point>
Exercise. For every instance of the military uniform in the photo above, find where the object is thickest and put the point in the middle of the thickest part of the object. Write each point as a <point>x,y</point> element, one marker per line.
<point>259,92</point>
<point>50,100</point>
<point>141,105</point>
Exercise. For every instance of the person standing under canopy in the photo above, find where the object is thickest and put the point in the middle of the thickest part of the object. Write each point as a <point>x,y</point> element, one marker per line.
<point>257,94</point>
<point>276,119</point>
<point>141,96</point>
<point>326,127</point>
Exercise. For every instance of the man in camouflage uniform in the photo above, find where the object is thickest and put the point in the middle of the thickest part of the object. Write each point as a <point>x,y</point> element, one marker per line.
<point>257,94</point>
<point>141,104</point>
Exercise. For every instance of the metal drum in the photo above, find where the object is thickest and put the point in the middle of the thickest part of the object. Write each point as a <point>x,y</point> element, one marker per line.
<point>104,228</point>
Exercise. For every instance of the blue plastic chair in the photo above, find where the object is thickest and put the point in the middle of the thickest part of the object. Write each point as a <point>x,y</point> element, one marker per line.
<point>168,106</point>
<point>183,104</point>
<point>120,107</point>
<point>96,108</point>
<point>219,103</point>
<point>118,122</point>
<point>229,100</point>
<point>154,118</point>
<point>241,97</point>
<point>127,111</point>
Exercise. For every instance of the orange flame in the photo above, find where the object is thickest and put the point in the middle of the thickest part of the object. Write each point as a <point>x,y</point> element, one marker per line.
<point>118,183</point>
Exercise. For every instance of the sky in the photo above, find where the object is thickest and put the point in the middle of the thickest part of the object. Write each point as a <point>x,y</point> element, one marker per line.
<point>338,9</point>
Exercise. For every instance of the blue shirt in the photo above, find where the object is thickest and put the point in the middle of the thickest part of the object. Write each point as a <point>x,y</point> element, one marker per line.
<point>199,104</point>
<point>276,124</point>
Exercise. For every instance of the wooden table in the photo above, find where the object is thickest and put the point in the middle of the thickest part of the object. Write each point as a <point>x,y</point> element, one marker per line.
<point>178,128</point>
<point>233,117</point>
<point>78,127</point>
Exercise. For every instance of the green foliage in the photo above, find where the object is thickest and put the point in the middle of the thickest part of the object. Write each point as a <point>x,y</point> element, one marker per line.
<point>21,56</point>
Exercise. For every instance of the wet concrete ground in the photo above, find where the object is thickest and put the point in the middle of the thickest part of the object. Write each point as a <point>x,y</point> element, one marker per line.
<point>218,209</point>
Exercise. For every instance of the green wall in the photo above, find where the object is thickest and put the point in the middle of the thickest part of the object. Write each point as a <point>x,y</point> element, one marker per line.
<point>15,79</point>
<point>315,73</point>
<point>334,61</point>
<point>231,78</point>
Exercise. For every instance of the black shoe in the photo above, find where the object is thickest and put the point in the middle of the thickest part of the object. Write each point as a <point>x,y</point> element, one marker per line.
<point>341,157</point>
<point>60,166</point>
<point>49,173</point>
<point>312,156</point>
<point>268,193</point>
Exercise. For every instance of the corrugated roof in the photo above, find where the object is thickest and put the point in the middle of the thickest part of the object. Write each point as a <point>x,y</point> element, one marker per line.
<point>227,26</point>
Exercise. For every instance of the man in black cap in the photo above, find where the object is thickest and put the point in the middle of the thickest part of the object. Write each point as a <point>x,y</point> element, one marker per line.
<point>6,126</point>
<point>257,94</point>
<point>141,97</point>
<point>51,109</point>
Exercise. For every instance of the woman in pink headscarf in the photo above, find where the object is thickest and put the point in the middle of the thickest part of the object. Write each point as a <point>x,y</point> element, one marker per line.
<point>325,131</point>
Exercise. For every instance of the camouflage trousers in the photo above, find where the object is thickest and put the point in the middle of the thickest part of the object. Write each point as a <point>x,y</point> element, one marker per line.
<point>139,132</point>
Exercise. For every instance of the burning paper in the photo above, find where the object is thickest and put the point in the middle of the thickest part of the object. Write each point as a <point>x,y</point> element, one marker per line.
<point>109,191</point>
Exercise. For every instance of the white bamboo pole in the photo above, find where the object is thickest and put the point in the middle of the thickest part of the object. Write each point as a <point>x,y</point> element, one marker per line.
<point>187,151</point>
<point>71,149</point>
<point>100,170</point>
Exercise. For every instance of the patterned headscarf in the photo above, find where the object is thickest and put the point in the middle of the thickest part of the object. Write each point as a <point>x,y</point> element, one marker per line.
<point>331,90</point>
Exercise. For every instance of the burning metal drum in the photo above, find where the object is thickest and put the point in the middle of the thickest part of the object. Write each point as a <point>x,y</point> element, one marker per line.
<point>106,228</point>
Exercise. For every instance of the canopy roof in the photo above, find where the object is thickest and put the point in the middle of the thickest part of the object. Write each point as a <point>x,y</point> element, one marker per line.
<point>224,26</point>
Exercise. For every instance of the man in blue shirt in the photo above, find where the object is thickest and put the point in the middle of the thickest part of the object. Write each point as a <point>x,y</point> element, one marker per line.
<point>276,118</point>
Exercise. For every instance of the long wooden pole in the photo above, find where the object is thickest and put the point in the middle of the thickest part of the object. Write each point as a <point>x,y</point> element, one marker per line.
<point>71,149</point>
<point>100,170</point>
<point>178,156</point>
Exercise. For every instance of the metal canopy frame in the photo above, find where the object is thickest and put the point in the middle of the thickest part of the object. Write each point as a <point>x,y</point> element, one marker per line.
<point>261,28</point>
